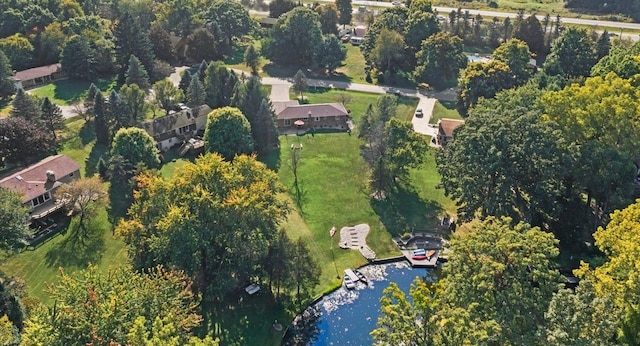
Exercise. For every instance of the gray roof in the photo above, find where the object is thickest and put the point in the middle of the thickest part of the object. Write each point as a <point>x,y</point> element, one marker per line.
<point>169,123</point>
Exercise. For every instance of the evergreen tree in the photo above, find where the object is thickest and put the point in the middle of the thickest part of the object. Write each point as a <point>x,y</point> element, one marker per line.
<point>346,11</point>
<point>7,87</point>
<point>161,43</point>
<point>130,40</point>
<point>252,59</point>
<point>88,100</point>
<point>195,93</point>
<point>79,58</point>
<point>100,123</point>
<point>119,115</point>
<point>263,128</point>
<point>603,45</point>
<point>51,116</point>
<point>136,74</point>
<point>25,106</point>
<point>185,80</point>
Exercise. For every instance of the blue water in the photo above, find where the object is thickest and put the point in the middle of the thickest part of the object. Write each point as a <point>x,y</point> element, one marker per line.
<point>347,317</point>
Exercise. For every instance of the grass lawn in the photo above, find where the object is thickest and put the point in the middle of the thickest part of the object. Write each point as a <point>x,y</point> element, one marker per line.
<point>353,67</point>
<point>444,109</point>
<point>65,92</point>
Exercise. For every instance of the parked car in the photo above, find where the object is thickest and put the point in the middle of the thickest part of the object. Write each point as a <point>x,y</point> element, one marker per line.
<point>419,113</point>
<point>346,38</point>
<point>394,91</point>
<point>396,3</point>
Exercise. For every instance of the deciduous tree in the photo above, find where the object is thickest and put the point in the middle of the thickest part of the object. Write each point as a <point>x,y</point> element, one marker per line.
<point>136,146</point>
<point>7,85</point>
<point>161,43</point>
<point>388,53</point>
<point>232,19</point>
<point>300,84</point>
<point>215,220</point>
<point>345,10</point>
<point>280,7</point>
<point>332,53</point>
<point>13,218</point>
<point>22,140</point>
<point>167,95</point>
<point>440,59</point>
<point>516,55</point>
<point>228,132</point>
<point>135,100</point>
<point>83,197</point>
<point>203,45</point>
<point>530,31</point>
<point>18,50</point>
<point>294,38</point>
<point>572,54</point>
<point>328,18</point>
<point>116,307</point>
<point>482,80</point>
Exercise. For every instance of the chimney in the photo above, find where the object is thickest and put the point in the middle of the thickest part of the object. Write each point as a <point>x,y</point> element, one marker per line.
<point>51,176</point>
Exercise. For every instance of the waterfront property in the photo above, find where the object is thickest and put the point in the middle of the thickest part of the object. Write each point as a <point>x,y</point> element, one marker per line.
<point>38,183</point>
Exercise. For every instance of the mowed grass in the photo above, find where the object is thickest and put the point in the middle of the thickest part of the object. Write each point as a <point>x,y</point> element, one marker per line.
<point>67,91</point>
<point>354,64</point>
<point>70,249</point>
<point>444,109</point>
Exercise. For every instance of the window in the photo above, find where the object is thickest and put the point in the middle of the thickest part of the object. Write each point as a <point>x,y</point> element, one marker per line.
<point>183,130</point>
<point>287,122</point>
<point>316,119</point>
<point>41,199</point>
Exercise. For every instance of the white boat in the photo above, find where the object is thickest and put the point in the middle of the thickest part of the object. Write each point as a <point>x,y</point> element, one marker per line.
<point>252,289</point>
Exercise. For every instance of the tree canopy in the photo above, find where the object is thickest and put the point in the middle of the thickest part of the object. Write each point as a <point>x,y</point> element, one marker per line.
<point>572,54</point>
<point>440,59</point>
<point>228,132</point>
<point>214,221</point>
<point>13,217</point>
<point>136,146</point>
<point>294,38</point>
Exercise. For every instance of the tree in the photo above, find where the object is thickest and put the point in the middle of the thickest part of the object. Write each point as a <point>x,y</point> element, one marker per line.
<point>306,273</point>
<point>388,52</point>
<point>196,94</point>
<point>13,217</point>
<point>215,221</point>
<point>83,197</point>
<point>203,45</point>
<point>603,45</point>
<point>332,53</point>
<point>51,117</point>
<point>115,307</point>
<point>185,80</point>
<point>50,44</point>
<point>179,16</point>
<point>421,24</point>
<point>228,132</point>
<point>440,59</point>
<point>25,106</point>
<point>252,59</point>
<point>136,74</point>
<point>265,132</point>
<point>345,10</point>
<point>280,7</point>
<point>504,275</point>
<point>161,43</point>
<point>482,80</point>
<point>118,114</point>
<point>530,31</point>
<point>392,19</point>
<point>300,83</point>
<point>22,140</point>
<point>18,50</point>
<point>79,58</point>
<point>131,39</point>
<point>133,97</point>
<point>294,38</point>
<point>613,280</point>
<point>620,60</point>
<point>232,19</point>
<point>136,146</point>
<point>328,18</point>
<point>7,86</point>
<point>167,95</point>
<point>526,191</point>
<point>100,123</point>
<point>516,55</point>
<point>572,54</point>
<point>219,83</point>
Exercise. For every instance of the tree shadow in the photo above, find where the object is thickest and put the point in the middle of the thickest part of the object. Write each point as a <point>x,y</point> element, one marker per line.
<point>121,198</point>
<point>403,210</point>
<point>82,245</point>
<point>274,70</point>
<point>87,133</point>
<point>271,159</point>
<point>91,163</point>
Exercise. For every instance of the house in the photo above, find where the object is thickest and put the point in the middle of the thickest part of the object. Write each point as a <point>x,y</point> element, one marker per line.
<point>38,76</point>
<point>38,183</point>
<point>291,115</point>
<point>358,35</point>
<point>445,130</point>
<point>177,127</point>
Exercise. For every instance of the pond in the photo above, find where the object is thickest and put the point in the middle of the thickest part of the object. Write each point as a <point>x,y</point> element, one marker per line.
<point>346,317</point>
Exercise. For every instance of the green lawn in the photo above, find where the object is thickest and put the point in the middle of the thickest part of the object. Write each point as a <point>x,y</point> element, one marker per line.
<point>353,67</point>
<point>444,109</point>
<point>66,91</point>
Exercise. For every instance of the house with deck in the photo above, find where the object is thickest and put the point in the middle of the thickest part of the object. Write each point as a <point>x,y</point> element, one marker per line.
<point>446,127</point>
<point>38,76</point>
<point>177,127</point>
<point>38,183</point>
<point>291,116</point>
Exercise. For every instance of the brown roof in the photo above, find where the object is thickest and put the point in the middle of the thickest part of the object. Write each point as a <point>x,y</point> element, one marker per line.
<point>446,126</point>
<point>32,182</point>
<point>279,106</point>
<point>168,123</point>
<point>38,72</point>
<point>321,110</point>
<point>359,31</point>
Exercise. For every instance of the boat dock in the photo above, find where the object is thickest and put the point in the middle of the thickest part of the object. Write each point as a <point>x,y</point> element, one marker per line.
<point>426,262</point>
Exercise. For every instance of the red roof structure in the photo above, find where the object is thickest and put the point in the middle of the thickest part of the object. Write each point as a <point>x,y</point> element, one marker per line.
<point>320,110</point>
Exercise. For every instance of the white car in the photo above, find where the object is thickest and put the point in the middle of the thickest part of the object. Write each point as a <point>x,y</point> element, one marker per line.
<point>419,113</point>
<point>396,3</point>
